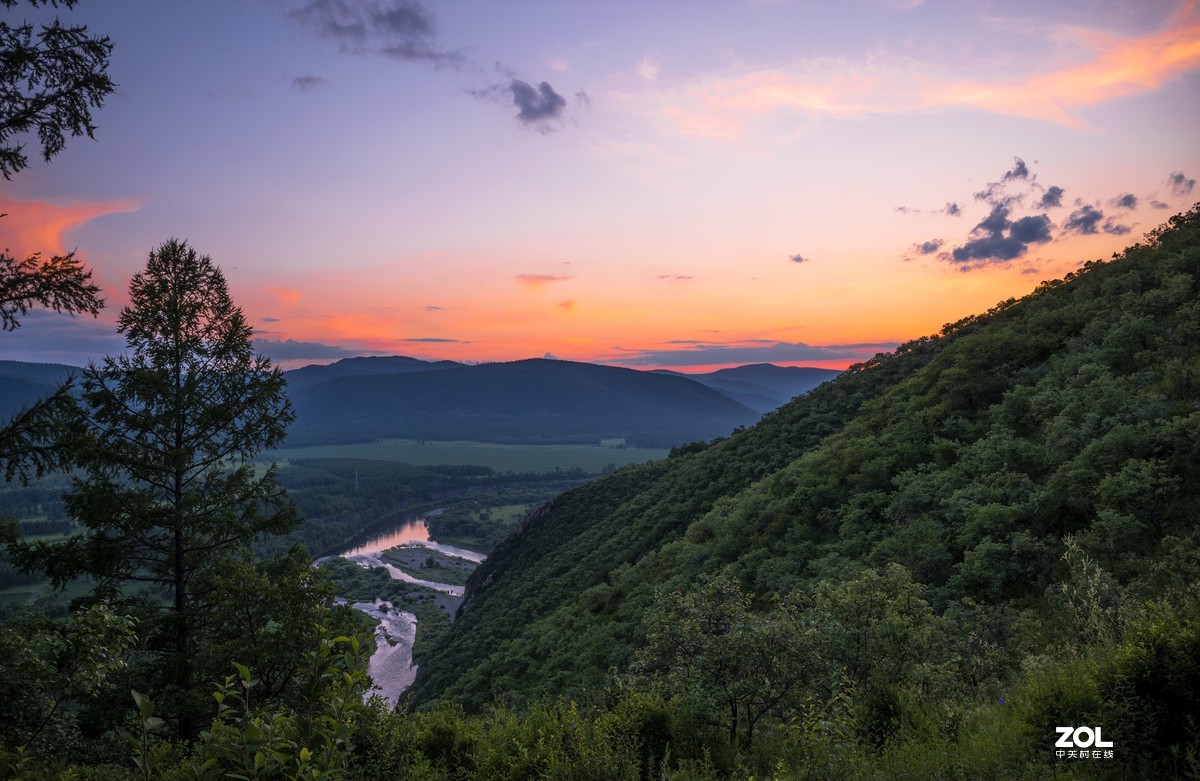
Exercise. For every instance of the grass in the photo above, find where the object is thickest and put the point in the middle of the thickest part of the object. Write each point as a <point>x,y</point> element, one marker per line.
<point>502,458</point>
<point>450,570</point>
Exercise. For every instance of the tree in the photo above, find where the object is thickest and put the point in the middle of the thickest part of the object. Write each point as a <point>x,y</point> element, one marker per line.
<point>165,437</point>
<point>742,664</point>
<point>49,83</point>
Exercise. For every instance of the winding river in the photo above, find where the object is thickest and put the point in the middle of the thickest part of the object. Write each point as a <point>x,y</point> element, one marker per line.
<point>391,666</point>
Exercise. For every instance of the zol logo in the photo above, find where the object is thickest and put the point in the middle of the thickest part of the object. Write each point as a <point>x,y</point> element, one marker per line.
<point>1081,737</point>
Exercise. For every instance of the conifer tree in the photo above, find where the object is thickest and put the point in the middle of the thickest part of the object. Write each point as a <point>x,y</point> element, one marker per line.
<point>166,438</point>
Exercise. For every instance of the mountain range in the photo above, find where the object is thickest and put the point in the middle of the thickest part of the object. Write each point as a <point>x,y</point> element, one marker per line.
<point>532,401</point>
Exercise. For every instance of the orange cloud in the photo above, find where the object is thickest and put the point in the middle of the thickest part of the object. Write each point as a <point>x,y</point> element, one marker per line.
<point>289,297</point>
<point>718,107</point>
<point>538,281</point>
<point>40,226</point>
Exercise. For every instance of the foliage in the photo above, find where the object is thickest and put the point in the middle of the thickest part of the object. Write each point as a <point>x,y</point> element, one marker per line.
<point>710,646</point>
<point>312,740</point>
<point>60,283</point>
<point>47,669</point>
<point>49,83</point>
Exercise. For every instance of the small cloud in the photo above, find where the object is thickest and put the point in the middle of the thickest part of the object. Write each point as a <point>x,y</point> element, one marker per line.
<point>1084,220</point>
<point>293,350</point>
<point>538,281</point>
<point>648,68</point>
<point>907,210</point>
<point>674,277</point>
<point>549,356</point>
<point>289,297</point>
<point>537,107</point>
<point>566,305</point>
<point>400,29</point>
<point>1157,204</point>
<point>996,193</point>
<point>752,351</point>
<point>308,83</point>
<point>1116,229</point>
<point>1126,201</point>
<point>1180,184</point>
<point>433,309</point>
<point>798,258</point>
<point>1018,171</point>
<point>952,209</point>
<point>433,340</point>
<point>1052,198</point>
<point>585,100</point>
<point>269,319</point>
<point>999,239</point>
<point>928,247</point>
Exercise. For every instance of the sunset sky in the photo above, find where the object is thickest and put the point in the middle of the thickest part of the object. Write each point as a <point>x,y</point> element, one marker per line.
<point>648,184</point>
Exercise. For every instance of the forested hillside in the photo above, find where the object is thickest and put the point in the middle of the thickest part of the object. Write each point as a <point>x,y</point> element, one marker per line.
<point>1064,423</point>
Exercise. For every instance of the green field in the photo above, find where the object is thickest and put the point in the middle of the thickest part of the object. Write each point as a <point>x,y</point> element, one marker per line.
<point>502,458</point>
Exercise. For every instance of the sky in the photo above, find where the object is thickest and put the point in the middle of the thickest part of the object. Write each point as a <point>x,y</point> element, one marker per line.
<point>683,185</point>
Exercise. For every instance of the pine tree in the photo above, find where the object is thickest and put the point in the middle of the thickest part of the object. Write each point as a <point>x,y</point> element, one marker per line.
<point>166,438</point>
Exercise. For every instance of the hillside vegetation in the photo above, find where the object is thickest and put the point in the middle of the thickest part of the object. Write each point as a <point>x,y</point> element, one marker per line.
<point>1025,482</point>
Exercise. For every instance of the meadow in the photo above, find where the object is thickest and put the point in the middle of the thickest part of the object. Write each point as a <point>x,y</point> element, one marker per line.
<point>502,458</point>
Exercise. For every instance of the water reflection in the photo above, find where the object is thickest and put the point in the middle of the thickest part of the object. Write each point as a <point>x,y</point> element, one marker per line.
<point>413,531</point>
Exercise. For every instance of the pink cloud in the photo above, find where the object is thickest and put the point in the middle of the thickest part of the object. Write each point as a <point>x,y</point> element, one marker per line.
<point>1118,67</point>
<point>40,226</point>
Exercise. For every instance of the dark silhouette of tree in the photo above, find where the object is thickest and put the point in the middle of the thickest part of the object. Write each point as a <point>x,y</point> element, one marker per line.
<point>165,437</point>
<point>50,80</point>
<point>49,83</point>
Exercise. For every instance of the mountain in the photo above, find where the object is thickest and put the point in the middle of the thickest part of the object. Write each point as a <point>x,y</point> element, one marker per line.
<point>22,383</point>
<point>308,376</point>
<point>1030,473</point>
<point>763,386</point>
<point>532,401</point>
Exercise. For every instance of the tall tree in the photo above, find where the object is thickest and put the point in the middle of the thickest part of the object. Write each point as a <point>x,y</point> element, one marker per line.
<point>166,437</point>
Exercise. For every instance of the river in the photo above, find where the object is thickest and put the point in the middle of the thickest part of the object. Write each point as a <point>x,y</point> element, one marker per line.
<point>391,666</point>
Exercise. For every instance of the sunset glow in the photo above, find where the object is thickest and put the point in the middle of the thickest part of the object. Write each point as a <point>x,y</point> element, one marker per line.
<point>649,185</point>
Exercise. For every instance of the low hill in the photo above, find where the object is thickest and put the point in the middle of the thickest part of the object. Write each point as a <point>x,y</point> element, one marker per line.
<point>970,459</point>
<point>308,376</point>
<point>531,401</point>
<point>21,384</point>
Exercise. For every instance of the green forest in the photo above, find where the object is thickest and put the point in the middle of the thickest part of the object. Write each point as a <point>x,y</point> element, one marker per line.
<point>923,569</point>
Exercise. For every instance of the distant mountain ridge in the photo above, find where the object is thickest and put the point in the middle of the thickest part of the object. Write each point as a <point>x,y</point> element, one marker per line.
<point>365,399</point>
<point>530,401</point>
<point>21,384</point>
<point>316,373</point>
<point>762,386</point>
